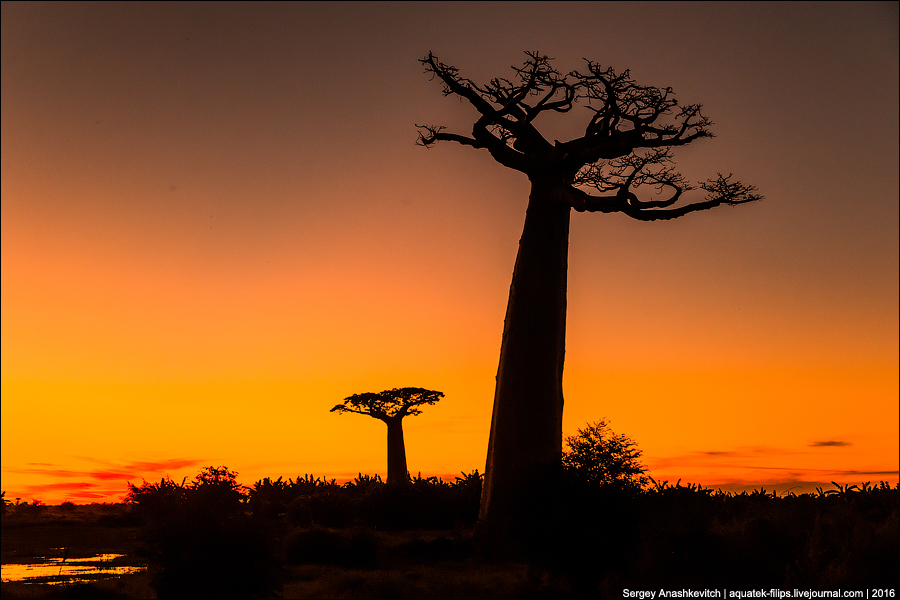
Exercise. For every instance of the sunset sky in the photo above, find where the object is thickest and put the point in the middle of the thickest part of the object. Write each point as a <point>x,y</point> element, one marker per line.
<point>217,225</point>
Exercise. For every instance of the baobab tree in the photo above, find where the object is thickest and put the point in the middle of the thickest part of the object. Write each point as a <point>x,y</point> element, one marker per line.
<point>391,406</point>
<point>626,148</point>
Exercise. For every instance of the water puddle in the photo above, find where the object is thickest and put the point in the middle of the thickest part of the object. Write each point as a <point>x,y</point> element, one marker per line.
<point>49,570</point>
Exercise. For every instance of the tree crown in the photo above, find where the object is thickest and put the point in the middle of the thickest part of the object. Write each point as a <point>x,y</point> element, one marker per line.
<point>389,404</point>
<point>627,142</point>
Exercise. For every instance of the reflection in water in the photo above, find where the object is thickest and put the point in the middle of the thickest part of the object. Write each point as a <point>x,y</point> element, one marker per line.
<point>66,570</point>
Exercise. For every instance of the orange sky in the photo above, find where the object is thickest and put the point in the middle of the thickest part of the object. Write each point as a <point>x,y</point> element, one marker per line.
<point>216,226</point>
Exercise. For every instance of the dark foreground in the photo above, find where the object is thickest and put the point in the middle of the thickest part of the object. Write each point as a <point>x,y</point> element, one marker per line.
<point>314,539</point>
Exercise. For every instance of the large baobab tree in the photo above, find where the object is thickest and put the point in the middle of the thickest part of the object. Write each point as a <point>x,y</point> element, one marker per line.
<point>391,406</point>
<point>626,148</point>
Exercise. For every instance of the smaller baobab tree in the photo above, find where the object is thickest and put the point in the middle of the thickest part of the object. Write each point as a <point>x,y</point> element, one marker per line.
<point>391,406</point>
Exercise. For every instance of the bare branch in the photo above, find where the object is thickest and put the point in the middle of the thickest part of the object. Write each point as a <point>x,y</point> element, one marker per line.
<point>507,111</point>
<point>431,134</point>
<point>721,191</point>
<point>725,191</point>
<point>653,168</point>
<point>454,84</point>
<point>584,202</point>
<point>674,213</point>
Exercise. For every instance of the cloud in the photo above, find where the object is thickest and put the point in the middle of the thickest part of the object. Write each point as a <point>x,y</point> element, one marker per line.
<point>751,467</point>
<point>702,457</point>
<point>106,475</point>
<point>895,473</point>
<point>123,473</point>
<point>116,471</point>
<point>68,485</point>
<point>164,465</point>
<point>69,490</point>
<point>49,472</point>
<point>92,484</point>
<point>147,465</point>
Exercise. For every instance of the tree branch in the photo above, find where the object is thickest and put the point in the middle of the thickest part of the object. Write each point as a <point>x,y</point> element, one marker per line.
<point>431,134</point>
<point>721,191</point>
<point>453,84</point>
<point>627,142</point>
<point>505,127</point>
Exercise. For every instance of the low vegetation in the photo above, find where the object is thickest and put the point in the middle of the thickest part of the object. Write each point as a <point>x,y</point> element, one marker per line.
<point>311,537</point>
<point>608,527</point>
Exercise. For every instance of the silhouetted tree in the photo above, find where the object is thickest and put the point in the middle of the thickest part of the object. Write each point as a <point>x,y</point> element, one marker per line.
<point>627,143</point>
<point>597,455</point>
<point>391,406</point>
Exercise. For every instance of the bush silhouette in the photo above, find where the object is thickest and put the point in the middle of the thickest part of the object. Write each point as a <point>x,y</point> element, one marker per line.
<point>425,503</point>
<point>598,456</point>
<point>601,535</point>
<point>200,542</point>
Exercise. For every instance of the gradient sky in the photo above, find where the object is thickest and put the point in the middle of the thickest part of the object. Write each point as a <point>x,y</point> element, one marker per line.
<point>217,225</point>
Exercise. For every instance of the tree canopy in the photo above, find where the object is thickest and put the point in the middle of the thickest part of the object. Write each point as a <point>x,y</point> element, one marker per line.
<point>627,141</point>
<point>389,404</point>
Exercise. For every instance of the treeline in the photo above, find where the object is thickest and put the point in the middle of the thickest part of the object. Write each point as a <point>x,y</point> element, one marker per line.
<point>597,536</point>
<point>212,537</point>
<point>307,501</point>
<point>847,537</point>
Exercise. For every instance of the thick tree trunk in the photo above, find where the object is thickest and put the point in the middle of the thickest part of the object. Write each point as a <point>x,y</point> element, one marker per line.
<point>397,472</point>
<point>526,428</point>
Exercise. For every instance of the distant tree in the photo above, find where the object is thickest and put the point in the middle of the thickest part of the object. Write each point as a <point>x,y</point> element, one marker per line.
<point>597,455</point>
<point>626,147</point>
<point>391,406</point>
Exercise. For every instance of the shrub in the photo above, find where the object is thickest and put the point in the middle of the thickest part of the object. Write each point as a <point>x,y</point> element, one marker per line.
<point>598,456</point>
<point>201,542</point>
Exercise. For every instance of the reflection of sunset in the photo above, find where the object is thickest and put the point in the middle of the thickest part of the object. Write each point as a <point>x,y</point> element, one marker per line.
<point>205,250</point>
<point>72,573</point>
